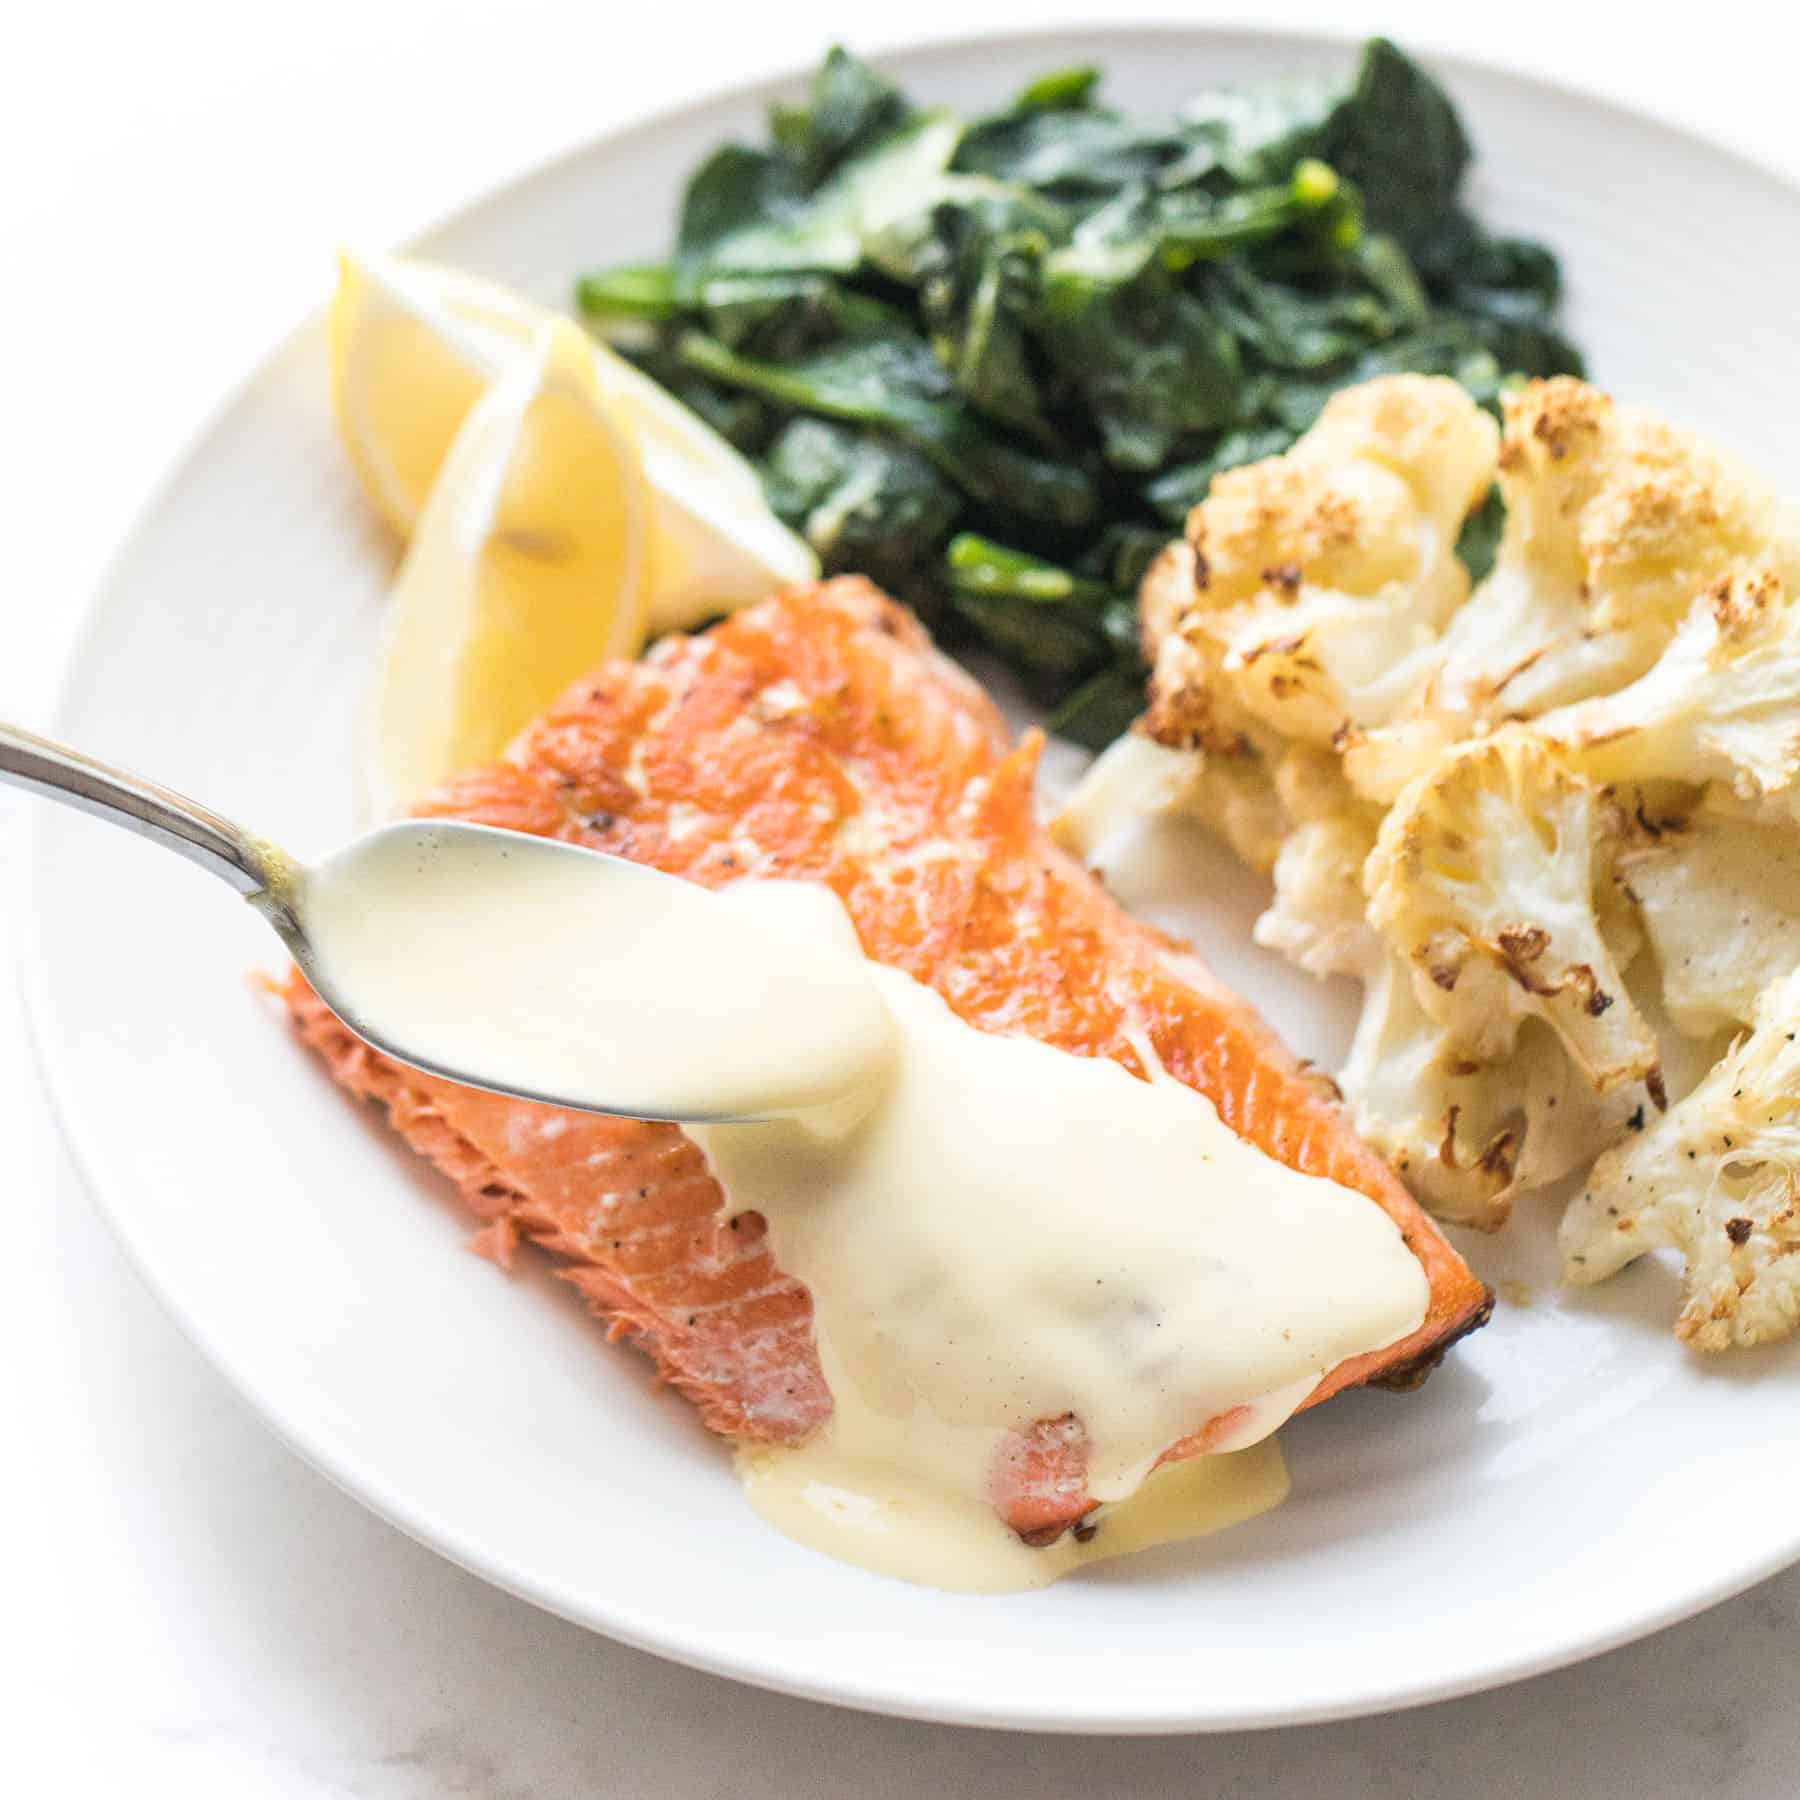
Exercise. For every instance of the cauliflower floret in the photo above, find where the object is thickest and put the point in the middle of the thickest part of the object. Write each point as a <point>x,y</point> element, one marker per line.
<point>1321,579</point>
<point>1630,513</point>
<point>1615,520</point>
<point>1719,896</point>
<point>1236,796</point>
<point>1136,777</point>
<point>1311,784</point>
<point>1365,499</point>
<point>1721,704</point>
<point>1564,1122</point>
<point>1483,878</point>
<point>1422,1102</point>
<point>1718,1179</point>
<point>1514,648</point>
<point>1133,777</point>
<point>1468,1137</point>
<point>1226,780</point>
<point>1316,919</point>
<point>1193,703</point>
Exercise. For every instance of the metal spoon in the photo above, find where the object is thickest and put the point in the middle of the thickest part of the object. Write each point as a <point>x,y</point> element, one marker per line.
<point>682,1005</point>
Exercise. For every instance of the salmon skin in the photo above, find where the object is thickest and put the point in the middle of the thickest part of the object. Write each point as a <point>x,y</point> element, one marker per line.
<point>819,736</point>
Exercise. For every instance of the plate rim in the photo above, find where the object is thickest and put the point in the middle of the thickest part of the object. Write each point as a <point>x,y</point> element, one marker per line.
<point>415,1521</point>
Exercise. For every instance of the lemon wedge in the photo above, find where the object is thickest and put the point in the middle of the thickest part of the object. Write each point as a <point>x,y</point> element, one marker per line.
<point>525,570</point>
<point>413,347</point>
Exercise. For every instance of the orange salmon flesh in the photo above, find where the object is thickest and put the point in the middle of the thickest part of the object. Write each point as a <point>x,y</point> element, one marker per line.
<point>819,736</point>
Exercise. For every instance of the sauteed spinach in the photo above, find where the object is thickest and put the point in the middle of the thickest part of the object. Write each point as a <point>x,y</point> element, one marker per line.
<point>993,362</point>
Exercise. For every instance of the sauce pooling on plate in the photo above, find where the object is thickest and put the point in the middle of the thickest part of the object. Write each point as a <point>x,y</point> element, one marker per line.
<point>994,1232</point>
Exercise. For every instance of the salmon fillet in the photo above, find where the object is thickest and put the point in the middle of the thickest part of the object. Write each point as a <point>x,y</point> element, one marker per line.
<point>819,736</point>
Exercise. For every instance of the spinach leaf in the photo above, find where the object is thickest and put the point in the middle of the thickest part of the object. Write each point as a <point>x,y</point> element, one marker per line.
<point>784,316</point>
<point>1507,277</point>
<point>1051,623</point>
<point>1397,136</point>
<point>899,385</point>
<point>1152,362</point>
<point>1056,644</point>
<point>1506,289</point>
<point>973,260</point>
<point>740,195</point>
<point>978,565</point>
<point>985,336</point>
<point>1387,273</point>
<point>1190,228</point>
<point>1257,135</point>
<point>850,108</point>
<point>1119,557</point>
<point>1479,541</point>
<point>751,210</point>
<point>1072,153</point>
<point>1289,328</point>
<point>866,503</point>
<point>1445,345</point>
<point>1103,707</point>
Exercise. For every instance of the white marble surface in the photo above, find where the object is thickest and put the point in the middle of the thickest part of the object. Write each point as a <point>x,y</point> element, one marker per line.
<point>188,1610</point>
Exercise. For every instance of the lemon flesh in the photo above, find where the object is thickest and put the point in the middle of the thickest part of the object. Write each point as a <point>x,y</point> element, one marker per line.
<point>526,570</point>
<point>413,348</point>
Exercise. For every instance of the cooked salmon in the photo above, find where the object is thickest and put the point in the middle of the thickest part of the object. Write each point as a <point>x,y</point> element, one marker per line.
<point>819,736</point>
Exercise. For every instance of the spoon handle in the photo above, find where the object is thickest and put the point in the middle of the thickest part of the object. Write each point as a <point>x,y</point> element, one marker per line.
<point>146,807</point>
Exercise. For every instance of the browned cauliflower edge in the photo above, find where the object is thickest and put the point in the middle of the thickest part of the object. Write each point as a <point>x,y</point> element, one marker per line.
<point>1717,1179</point>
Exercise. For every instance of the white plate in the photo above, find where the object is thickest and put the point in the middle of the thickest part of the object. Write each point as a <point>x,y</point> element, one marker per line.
<point>1570,1480</point>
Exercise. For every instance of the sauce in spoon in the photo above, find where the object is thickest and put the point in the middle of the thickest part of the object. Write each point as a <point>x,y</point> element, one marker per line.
<point>588,980</point>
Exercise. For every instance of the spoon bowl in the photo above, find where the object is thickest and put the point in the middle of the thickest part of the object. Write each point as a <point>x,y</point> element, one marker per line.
<point>532,968</point>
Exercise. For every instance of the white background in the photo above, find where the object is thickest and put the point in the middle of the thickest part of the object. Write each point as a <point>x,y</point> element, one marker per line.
<point>187,1610</point>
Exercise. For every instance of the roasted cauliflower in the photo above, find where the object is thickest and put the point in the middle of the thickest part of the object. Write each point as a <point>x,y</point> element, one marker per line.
<point>1484,805</point>
<point>1417,1097</point>
<point>1319,581</point>
<point>1316,918</point>
<point>1483,880</point>
<point>1235,795</point>
<point>1717,1179</point>
<point>1467,1136</point>
<point>1615,521</point>
<point>1722,702</point>
<point>1719,895</point>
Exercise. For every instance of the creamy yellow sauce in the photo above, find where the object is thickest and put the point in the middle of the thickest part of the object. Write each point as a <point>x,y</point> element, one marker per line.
<point>994,1232</point>
<point>891,1522</point>
<point>1011,1233</point>
<point>592,980</point>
